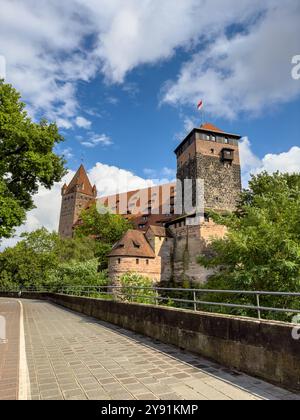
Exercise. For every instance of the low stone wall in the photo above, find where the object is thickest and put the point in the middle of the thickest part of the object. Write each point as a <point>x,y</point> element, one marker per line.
<point>264,349</point>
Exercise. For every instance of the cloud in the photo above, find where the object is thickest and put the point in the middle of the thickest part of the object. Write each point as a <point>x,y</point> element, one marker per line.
<point>111,180</point>
<point>50,46</point>
<point>83,122</point>
<point>96,140</point>
<point>108,180</point>
<point>161,176</point>
<point>67,153</point>
<point>45,214</point>
<point>288,162</point>
<point>244,72</point>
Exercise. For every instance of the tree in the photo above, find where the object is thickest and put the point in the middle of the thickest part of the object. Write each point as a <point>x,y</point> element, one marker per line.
<point>42,259</point>
<point>28,263</point>
<point>27,159</point>
<point>261,250</point>
<point>105,227</point>
<point>144,293</point>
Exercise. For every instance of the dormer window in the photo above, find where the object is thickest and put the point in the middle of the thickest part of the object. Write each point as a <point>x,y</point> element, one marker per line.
<point>136,244</point>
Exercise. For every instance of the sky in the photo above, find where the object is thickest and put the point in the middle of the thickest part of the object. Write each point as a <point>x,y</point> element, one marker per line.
<point>122,80</point>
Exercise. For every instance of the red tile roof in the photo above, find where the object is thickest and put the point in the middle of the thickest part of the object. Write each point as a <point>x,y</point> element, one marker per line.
<point>133,244</point>
<point>211,127</point>
<point>81,182</point>
<point>160,231</point>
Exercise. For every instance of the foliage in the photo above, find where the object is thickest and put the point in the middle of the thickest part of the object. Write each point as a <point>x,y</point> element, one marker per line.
<point>44,259</point>
<point>130,281</point>
<point>261,250</point>
<point>77,273</point>
<point>105,227</point>
<point>27,159</point>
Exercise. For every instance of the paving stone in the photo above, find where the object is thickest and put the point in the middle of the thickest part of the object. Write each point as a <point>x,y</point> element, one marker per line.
<point>71,356</point>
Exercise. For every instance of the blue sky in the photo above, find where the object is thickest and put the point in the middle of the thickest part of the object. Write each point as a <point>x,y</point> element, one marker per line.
<point>145,132</point>
<point>122,80</point>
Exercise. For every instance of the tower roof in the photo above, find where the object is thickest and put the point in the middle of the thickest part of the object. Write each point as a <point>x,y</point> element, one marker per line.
<point>210,127</point>
<point>133,244</point>
<point>80,182</point>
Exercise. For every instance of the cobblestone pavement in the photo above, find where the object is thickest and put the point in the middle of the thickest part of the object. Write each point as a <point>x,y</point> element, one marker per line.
<point>71,356</point>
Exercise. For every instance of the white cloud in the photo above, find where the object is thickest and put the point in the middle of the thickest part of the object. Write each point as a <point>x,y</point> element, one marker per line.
<point>67,153</point>
<point>111,179</point>
<point>83,122</point>
<point>96,140</point>
<point>2,67</point>
<point>283,162</point>
<point>47,53</point>
<point>247,72</point>
<point>45,214</point>
<point>108,180</point>
<point>161,176</point>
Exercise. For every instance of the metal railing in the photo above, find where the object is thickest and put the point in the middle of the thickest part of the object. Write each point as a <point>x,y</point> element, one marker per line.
<point>160,295</point>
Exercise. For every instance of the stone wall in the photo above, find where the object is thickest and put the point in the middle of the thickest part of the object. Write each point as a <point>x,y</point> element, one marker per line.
<point>189,243</point>
<point>264,349</point>
<point>222,181</point>
<point>146,267</point>
<point>72,205</point>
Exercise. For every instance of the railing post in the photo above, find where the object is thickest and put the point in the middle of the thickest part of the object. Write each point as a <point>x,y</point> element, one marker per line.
<point>156,297</point>
<point>195,304</point>
<point>258,306</point>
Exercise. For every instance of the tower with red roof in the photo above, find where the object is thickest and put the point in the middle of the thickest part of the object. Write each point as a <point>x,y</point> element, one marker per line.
<point>76,196</point>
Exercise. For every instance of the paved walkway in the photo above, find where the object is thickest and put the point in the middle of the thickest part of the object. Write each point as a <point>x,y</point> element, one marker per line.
<point>70,356</point>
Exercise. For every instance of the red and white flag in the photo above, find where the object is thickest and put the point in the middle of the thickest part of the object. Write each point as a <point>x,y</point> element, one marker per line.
<point>200,105</point>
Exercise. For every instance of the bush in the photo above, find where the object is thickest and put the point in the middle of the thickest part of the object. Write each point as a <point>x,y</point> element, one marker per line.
<point>130,281</point>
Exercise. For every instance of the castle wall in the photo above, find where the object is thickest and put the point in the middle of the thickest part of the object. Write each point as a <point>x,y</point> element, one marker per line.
<point>189,243</point>
<point>222,181</point>
<point>146,267</point>
<point>71,207</point>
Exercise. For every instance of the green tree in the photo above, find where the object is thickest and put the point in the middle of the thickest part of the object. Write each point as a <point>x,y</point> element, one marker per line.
<point>261,250</point>
<point>129,293</point>
<point>28,263</point>
<point>27,159</point>
<point>42,259</point>
<point>77,273</point>
<point>105,227</point>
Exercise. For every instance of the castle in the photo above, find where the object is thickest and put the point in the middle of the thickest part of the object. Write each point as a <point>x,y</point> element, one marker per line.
<point>164,244</point>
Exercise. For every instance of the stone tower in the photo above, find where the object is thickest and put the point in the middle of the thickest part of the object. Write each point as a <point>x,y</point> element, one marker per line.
<point>210,154</point>
<point>75,197</point>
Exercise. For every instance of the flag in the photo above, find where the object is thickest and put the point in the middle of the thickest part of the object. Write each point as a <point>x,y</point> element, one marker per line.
<point>200,105</point>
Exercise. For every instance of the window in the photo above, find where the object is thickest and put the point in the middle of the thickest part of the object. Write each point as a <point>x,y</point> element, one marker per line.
<point>213,138</point>
<point>147,262</point>
<point>119,260</point>
<point>212,151</point>
<point>136,244</point>
<point>137,261</point>
<point>226,140</point>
